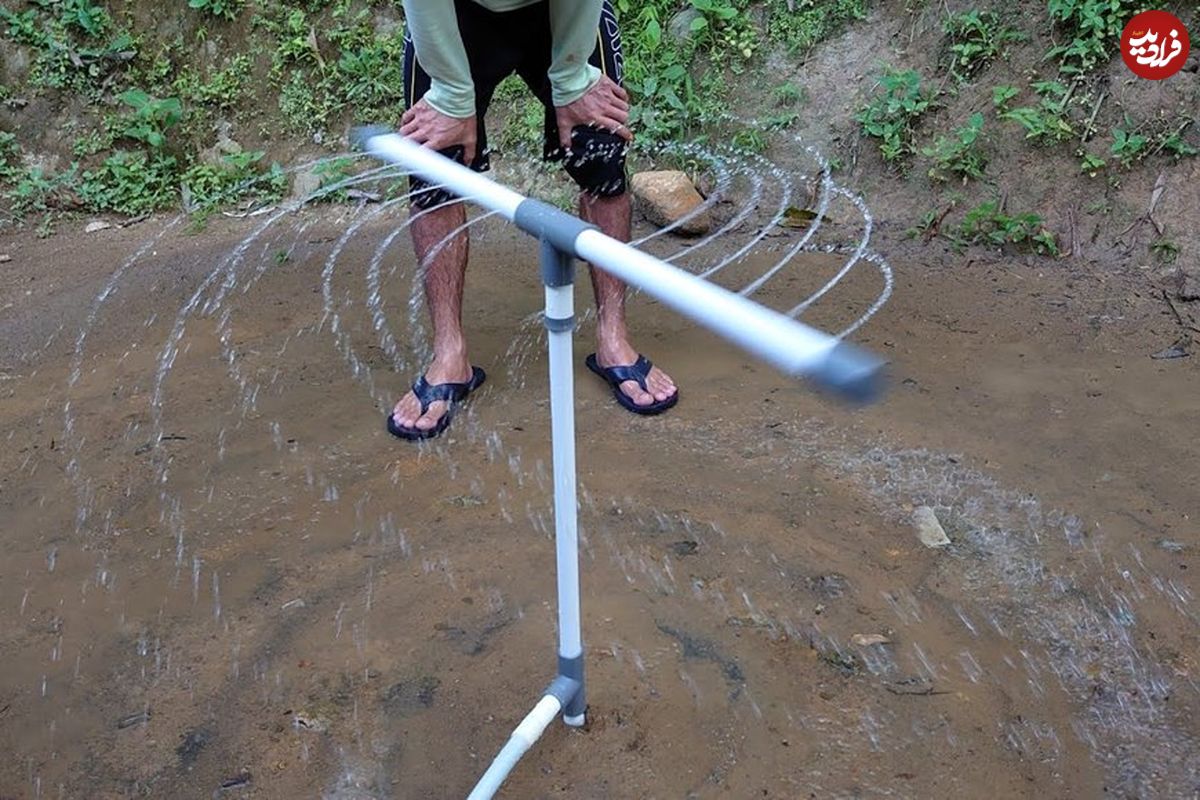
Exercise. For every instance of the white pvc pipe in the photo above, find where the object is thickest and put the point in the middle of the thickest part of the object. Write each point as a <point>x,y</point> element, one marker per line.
<point>437,169</point>
<point>560,304</point>
<point>528,732</point>
<point>793,347</point>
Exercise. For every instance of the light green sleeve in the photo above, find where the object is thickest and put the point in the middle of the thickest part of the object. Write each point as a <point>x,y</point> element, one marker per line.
<point>433,26</point>
<point>574,25</point>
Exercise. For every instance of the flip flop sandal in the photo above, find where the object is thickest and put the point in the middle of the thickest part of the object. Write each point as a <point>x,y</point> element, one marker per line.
<point>427,394</point>
<point>636,371</point>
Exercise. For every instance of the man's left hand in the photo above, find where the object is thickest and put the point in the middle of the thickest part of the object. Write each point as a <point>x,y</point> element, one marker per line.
<point>605,105</point>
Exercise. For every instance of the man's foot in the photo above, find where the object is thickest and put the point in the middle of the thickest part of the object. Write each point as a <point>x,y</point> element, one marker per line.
<point>660,391</point>
<point>408,415</point>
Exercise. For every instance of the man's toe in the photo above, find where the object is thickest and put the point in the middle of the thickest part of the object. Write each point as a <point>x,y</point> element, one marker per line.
<point>634,392</point>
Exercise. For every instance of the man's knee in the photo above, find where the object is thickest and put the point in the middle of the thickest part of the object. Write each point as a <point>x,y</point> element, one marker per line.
<point>597,162</point>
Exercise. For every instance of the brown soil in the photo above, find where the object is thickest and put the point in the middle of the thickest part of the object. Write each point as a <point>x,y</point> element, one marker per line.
<point>233,577</point>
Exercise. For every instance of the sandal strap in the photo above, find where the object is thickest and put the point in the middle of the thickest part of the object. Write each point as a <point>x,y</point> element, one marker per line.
<point>429,393</point>
<point>637,371</point>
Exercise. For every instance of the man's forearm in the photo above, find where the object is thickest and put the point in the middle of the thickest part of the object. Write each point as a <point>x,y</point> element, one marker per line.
<point>574,25</point>
<point>433,26</point>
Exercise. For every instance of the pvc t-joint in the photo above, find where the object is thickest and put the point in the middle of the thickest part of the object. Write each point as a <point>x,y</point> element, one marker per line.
<point>549,224</point>
<point>571,669</point>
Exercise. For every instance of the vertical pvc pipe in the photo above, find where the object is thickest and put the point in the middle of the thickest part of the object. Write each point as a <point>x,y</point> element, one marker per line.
<point>558,270</point>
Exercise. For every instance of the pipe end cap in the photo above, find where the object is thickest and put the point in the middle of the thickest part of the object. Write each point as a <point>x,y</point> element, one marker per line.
<point>361,135</point>
<point>853,373</point>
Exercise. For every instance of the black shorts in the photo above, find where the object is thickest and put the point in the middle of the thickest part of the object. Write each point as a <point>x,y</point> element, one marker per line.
<point>499,44</point>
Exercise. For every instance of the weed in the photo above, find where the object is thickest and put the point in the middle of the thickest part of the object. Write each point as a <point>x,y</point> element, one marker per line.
<point>131,183</point>
<point>151,117</point>
<point>749,140</point>
<point>1165,251</point>
<point>800,24</point>
<point>224,9</point>
<point>206,186</point>
<point>789,94</point>
<point>1092,29</point>
<point>1091,164</point>
<point>1047,121</point>
<point>959,155</point>
<point>1002,95</point>
<point>973,40</point>
<point>1129,145</point>
<point>892,115</point>
<point>10,154</point>
<point>986,223</point>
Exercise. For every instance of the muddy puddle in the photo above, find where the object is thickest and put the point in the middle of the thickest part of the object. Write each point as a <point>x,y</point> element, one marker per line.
<point>222,578</point>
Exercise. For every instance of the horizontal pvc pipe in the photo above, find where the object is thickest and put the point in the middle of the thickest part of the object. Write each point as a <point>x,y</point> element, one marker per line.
<point>528,732</point>
<point>791,346</point>
<point>437,169</point>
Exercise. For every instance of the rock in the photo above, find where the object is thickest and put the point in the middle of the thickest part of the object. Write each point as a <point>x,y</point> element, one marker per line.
<point>1181,349</point>
<point>929,529</point>
<point>305,184</point>
<point>868,639</point>
<point>1189,285</point>
<point>680,26</point>
<point>97,225</point>
<point>5,258</point>
<point>667,196</point>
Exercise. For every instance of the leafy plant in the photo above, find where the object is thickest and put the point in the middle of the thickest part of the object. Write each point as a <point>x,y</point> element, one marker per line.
<point>151,118</point>
<point>789,94</point>
<point>986,223</point>
<point>1092,29</point>
<point>973,40</point>
<point>206,186</point>
<point>1165,251</point>
<point>958,155</point>
<point>1091,164</point>
<point>1129,145</point>
<point>1002,95</point>
<point>800,24</point>
<point>1047,121</point>
<point>131,183</point>
<point>892,115</point>
<point>9,155</point>
<point>225,9</point>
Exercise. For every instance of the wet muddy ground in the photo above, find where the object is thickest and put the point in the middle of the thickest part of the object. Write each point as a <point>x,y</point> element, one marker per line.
<point>222,578</point>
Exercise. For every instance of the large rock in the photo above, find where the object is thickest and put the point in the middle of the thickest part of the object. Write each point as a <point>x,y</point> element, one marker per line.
<point>680,26</point>
<point>667,196</point>
<point>305,183</point>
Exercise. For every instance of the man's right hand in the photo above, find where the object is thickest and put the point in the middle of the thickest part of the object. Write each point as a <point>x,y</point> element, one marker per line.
<point>425,125</point>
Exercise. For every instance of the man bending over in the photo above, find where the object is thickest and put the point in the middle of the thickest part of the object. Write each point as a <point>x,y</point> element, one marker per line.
<point>568,52</point>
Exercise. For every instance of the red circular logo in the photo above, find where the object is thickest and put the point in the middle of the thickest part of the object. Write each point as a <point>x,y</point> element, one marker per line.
<point>1155,45</point>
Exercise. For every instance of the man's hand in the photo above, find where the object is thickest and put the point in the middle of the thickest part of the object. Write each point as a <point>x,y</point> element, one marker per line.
<point>605,105</point>
<point>425,125</point>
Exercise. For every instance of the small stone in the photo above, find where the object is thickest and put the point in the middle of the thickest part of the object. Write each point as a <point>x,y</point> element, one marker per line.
<point>680,26</point>
<point>5,258</point>
<point>305,184</point>
<point>304,721</point>
<point>929,529</point>
<point>667,196</point>
<point>687,547</point>
<point>868,639</point>
<point>465,501</point>
<point>97,225</point>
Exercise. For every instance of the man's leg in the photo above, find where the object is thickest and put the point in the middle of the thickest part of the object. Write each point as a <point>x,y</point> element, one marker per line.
<point>612,216</point>
<point>445,272</point>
